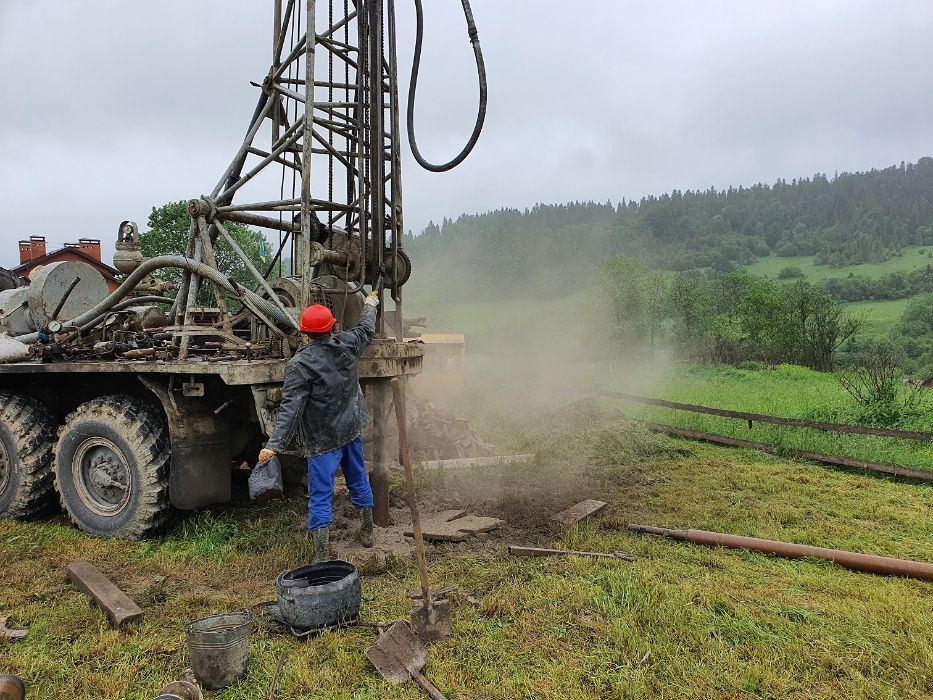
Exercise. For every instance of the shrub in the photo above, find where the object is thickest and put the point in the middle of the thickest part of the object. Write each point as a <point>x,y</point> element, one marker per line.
<point>790,272</point>
<point>877,385</point>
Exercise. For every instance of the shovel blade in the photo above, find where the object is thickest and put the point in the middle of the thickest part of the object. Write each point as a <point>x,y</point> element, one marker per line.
<point>398,654</point>
<point>432,624</point>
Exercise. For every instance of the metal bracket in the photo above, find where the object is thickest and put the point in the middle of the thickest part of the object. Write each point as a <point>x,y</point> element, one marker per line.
<point>192,389</point>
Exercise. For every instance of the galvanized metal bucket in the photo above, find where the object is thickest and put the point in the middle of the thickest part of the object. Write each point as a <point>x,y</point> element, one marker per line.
<point>218,646</point>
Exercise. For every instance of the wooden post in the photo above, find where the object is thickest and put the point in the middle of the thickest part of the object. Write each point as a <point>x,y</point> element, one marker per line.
<point>379,478</point>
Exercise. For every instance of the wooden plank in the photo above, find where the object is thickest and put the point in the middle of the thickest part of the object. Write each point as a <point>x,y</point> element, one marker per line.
<point>473,524</point>
<point>441,533</point>
<point>114,602</point>
<point>467,462</point>
<point>579,511</point>
<point>447,515</point>
<point>455,526</point>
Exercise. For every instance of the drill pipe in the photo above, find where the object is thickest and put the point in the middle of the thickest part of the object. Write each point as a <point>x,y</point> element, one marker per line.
<point>870,563</point>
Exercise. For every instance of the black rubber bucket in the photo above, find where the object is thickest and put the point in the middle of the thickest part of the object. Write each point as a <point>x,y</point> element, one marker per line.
<point>318,596</point>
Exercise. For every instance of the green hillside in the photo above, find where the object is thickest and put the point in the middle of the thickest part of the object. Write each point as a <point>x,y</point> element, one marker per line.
<point>828,227</point>
<point>908,259</point>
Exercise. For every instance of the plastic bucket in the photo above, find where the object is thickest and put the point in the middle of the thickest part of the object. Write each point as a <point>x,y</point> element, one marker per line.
<point>218,646</point>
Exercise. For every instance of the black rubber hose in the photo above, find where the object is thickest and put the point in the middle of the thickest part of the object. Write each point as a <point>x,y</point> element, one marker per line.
<point>413,87</point>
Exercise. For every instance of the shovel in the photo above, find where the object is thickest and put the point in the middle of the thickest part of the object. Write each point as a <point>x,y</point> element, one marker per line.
<point>399,655</point>
<point>431,621</point>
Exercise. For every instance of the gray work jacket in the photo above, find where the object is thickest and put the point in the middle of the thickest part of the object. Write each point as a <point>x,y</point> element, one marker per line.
<point>322,403</point>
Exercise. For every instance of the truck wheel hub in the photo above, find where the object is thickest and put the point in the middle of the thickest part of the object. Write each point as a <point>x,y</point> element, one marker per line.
<point>102,479</point>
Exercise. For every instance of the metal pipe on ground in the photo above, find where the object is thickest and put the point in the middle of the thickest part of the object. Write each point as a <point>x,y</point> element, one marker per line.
<point>868,563</point>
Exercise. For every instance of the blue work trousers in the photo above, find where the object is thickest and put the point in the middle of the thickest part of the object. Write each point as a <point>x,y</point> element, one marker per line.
<point>322,471</point>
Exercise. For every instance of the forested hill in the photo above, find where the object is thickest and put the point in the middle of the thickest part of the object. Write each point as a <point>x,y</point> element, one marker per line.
<point>846,219</point>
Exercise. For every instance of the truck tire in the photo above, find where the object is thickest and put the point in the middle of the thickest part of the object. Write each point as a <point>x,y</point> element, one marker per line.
<point>111,468</point>
<point>27,435</point>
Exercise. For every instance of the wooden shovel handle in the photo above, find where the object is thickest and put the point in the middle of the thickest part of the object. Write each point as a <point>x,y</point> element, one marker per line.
<point>428,687</point>
<point>398,398</point>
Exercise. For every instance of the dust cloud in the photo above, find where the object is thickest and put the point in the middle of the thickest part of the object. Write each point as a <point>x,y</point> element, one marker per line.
<point>523,381</point>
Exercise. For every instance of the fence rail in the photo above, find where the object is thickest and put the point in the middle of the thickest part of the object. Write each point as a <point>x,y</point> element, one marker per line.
<point>773,420</point>
<point>835,460</point>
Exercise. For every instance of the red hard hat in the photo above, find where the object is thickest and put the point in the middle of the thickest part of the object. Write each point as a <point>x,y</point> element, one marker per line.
<point>316,319</point>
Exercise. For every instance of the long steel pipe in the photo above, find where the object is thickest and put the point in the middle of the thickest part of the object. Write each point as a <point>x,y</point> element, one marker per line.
<point>870,563</point>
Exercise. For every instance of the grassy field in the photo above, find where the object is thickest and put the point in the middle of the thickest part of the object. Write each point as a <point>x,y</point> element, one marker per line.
<point>880,317</point>
<point>910,259</point>
<point>682,621</point>
<point>499,334</point>
<point>786,391</point>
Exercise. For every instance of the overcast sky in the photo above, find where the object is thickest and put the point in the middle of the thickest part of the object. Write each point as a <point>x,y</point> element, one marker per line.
<point>109,107</point>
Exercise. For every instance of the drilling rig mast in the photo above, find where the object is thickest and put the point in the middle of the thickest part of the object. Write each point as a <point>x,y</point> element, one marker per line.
<point>199,374</point>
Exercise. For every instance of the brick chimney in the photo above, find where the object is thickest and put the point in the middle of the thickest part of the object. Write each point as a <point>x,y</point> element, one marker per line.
<point>91,246</point>
<point>31,249</point>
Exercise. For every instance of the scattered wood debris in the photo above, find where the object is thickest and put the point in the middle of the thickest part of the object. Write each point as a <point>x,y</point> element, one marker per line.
<point>8,633</point>
<point>114,602</point>
<point>578,512</point>
<point>455,526</point>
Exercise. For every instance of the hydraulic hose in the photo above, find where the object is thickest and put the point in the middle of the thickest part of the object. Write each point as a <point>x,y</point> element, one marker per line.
<point>125,304</point>
<point>158,263</point>
<point>413,87</point>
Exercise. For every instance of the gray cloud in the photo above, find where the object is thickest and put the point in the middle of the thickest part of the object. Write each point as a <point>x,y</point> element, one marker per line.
<point>112,107</point>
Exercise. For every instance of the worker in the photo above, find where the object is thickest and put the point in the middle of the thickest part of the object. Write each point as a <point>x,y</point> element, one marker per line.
<point>323,414</point>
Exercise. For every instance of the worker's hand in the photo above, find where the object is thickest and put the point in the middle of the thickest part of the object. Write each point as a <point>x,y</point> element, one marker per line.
<point>372,299</point>
<point>265,455</point>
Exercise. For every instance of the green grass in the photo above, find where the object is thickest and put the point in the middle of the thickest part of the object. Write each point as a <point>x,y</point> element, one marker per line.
<point>787,391</point>
<point>880,317</point>
<point>910,259</point>
<point>542,346</point>
<point>683,621</point>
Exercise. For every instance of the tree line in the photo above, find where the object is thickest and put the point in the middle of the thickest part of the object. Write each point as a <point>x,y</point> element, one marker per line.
<point>733,318</point>
<point>845,219</point>
<point>894,285</point>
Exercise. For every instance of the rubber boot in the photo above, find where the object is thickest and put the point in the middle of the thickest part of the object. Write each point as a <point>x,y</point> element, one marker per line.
<point>365,535</point>
<point>321,538</point>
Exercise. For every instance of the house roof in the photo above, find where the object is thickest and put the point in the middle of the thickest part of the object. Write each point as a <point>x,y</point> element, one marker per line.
<point>107,271</point>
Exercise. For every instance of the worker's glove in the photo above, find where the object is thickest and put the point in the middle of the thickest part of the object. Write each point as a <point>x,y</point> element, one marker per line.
<point>372,299</point>
<point>265,455</point>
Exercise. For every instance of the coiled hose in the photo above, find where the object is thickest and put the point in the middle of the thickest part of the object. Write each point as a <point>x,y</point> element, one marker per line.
<point>413,87</point>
